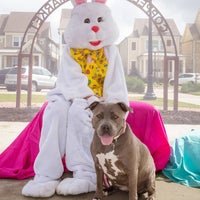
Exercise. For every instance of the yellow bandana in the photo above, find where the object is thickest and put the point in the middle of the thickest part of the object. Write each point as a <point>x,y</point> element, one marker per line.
<point>94,65</point>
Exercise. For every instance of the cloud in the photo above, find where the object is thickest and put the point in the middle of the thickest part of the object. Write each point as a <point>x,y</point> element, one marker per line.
<point>182,12</point>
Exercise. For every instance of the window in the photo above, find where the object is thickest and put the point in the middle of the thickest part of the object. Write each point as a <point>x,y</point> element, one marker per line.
<point>17,41</point>
<point>14,61</point>
<point>155,45</point>
<point>36,60</point>
<point>63,39</point>
<point>133,46</point>
<point>133,64</point>
<point>169,43</point>
<point>37,71</point>
<point>45,72</point>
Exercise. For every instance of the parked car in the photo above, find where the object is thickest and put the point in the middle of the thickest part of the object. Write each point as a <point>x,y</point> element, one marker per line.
<point>41,79</point>
<point>3,73</point>
<point>186,78</point>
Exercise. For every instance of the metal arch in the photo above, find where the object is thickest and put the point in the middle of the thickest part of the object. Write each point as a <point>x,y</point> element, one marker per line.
<point>145,5</point>
<point>34,26</point>
<point>162,26</point>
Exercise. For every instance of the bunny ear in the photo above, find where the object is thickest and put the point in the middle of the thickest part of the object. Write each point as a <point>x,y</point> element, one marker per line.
<point>77,2</point>
<point>99,1</point>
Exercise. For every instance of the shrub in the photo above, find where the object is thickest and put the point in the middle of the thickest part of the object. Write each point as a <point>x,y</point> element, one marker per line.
<point>135,84</point>
<point>190,87</point>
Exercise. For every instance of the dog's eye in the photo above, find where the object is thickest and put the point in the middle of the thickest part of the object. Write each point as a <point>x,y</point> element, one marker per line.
<point>100,19</point>
<point>87,20</point>
<point>114,116</point>
<point>100,116</point>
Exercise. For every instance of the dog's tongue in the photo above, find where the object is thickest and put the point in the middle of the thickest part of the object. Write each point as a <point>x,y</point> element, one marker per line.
<point>106,139</point>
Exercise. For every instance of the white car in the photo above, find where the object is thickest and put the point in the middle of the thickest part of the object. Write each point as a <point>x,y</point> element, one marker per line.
<point>41,79</point>
<point>186,78</point>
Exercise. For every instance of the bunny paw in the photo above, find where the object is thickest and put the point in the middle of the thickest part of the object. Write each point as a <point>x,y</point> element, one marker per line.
<point>44,189</point>
<point>74,186</point>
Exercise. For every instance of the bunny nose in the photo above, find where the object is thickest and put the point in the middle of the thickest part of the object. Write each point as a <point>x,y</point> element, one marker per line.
<point>95,28</point>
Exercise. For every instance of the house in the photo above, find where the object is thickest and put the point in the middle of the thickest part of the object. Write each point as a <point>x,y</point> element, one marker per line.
<point>64,20</point>
<point>190,45</point>
<point>134,49</point>
<point>12,29</point>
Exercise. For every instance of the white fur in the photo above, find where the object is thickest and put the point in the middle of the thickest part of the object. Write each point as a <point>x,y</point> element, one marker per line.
<point>74,186</point>
<point>112,158</point>
<point>44,189</point>
<point>78,34</point>
<point>77,2</point>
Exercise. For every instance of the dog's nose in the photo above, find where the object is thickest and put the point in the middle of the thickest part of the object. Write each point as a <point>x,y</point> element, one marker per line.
<point>105,128</point>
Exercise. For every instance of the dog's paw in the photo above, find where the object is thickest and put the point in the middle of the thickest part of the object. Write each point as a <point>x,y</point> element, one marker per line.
<point>150,198</point>
<point>109,191</point>
<point>44,189</point>
<point>74,186</point>
<point>97,197</point>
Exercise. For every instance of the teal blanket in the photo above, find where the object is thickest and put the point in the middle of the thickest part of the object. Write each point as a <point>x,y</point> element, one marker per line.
<point>184,164</point>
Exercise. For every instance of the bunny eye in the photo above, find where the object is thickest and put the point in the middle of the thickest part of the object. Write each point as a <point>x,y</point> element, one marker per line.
<point>100,19</point>
<point>87,21</point>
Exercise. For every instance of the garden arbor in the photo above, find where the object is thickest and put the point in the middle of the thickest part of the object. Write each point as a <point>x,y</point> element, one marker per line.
<point>146,6</point>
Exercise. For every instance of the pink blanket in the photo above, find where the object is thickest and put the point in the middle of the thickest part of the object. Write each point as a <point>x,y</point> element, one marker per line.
<point>17,160</point>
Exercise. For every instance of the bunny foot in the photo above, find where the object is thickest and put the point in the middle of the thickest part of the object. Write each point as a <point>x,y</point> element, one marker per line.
<point>74,186</point>
<point>44,189</point>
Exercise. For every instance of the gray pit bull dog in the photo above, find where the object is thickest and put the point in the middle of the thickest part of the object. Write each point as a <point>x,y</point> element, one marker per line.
<point>118,154</point>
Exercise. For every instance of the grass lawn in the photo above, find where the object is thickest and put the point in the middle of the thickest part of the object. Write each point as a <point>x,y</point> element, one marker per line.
<point>40,98</point>
<point>159,102</point>
<point>196,93</point>
<point>11,97</point>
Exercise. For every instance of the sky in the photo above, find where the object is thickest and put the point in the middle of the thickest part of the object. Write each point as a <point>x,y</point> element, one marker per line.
<point>124,12</point>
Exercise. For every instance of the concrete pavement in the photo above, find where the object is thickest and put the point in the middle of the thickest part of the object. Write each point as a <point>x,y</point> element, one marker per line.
<point>185,98</point>
<point>10,130</point>
<point>182,97</point>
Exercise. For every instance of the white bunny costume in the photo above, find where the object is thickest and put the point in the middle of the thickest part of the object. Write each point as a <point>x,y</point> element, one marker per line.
<point>67,129</point>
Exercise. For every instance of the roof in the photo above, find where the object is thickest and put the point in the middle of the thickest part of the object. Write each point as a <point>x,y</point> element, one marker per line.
<point>17,22</point>
<point>3,21</point>
<point>45,30</point>
<point>192,30</point>
<point>141,27</point>
<point>65,16</point>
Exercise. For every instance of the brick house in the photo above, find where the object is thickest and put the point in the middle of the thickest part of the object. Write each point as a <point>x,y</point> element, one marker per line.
<point>12,28</point>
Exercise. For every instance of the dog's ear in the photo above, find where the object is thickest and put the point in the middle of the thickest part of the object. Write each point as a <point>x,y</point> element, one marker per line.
<point>93,105</point>
<point>124,107</point>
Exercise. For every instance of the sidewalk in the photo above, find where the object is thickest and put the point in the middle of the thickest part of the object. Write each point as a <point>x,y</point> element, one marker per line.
<point>10,130</point>
<point>182,97</point>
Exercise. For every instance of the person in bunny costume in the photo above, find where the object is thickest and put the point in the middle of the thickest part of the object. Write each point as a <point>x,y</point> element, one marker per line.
<point>90,70</point>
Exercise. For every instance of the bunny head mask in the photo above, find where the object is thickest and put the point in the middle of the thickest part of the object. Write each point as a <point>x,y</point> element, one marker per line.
<point>91,25</point>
